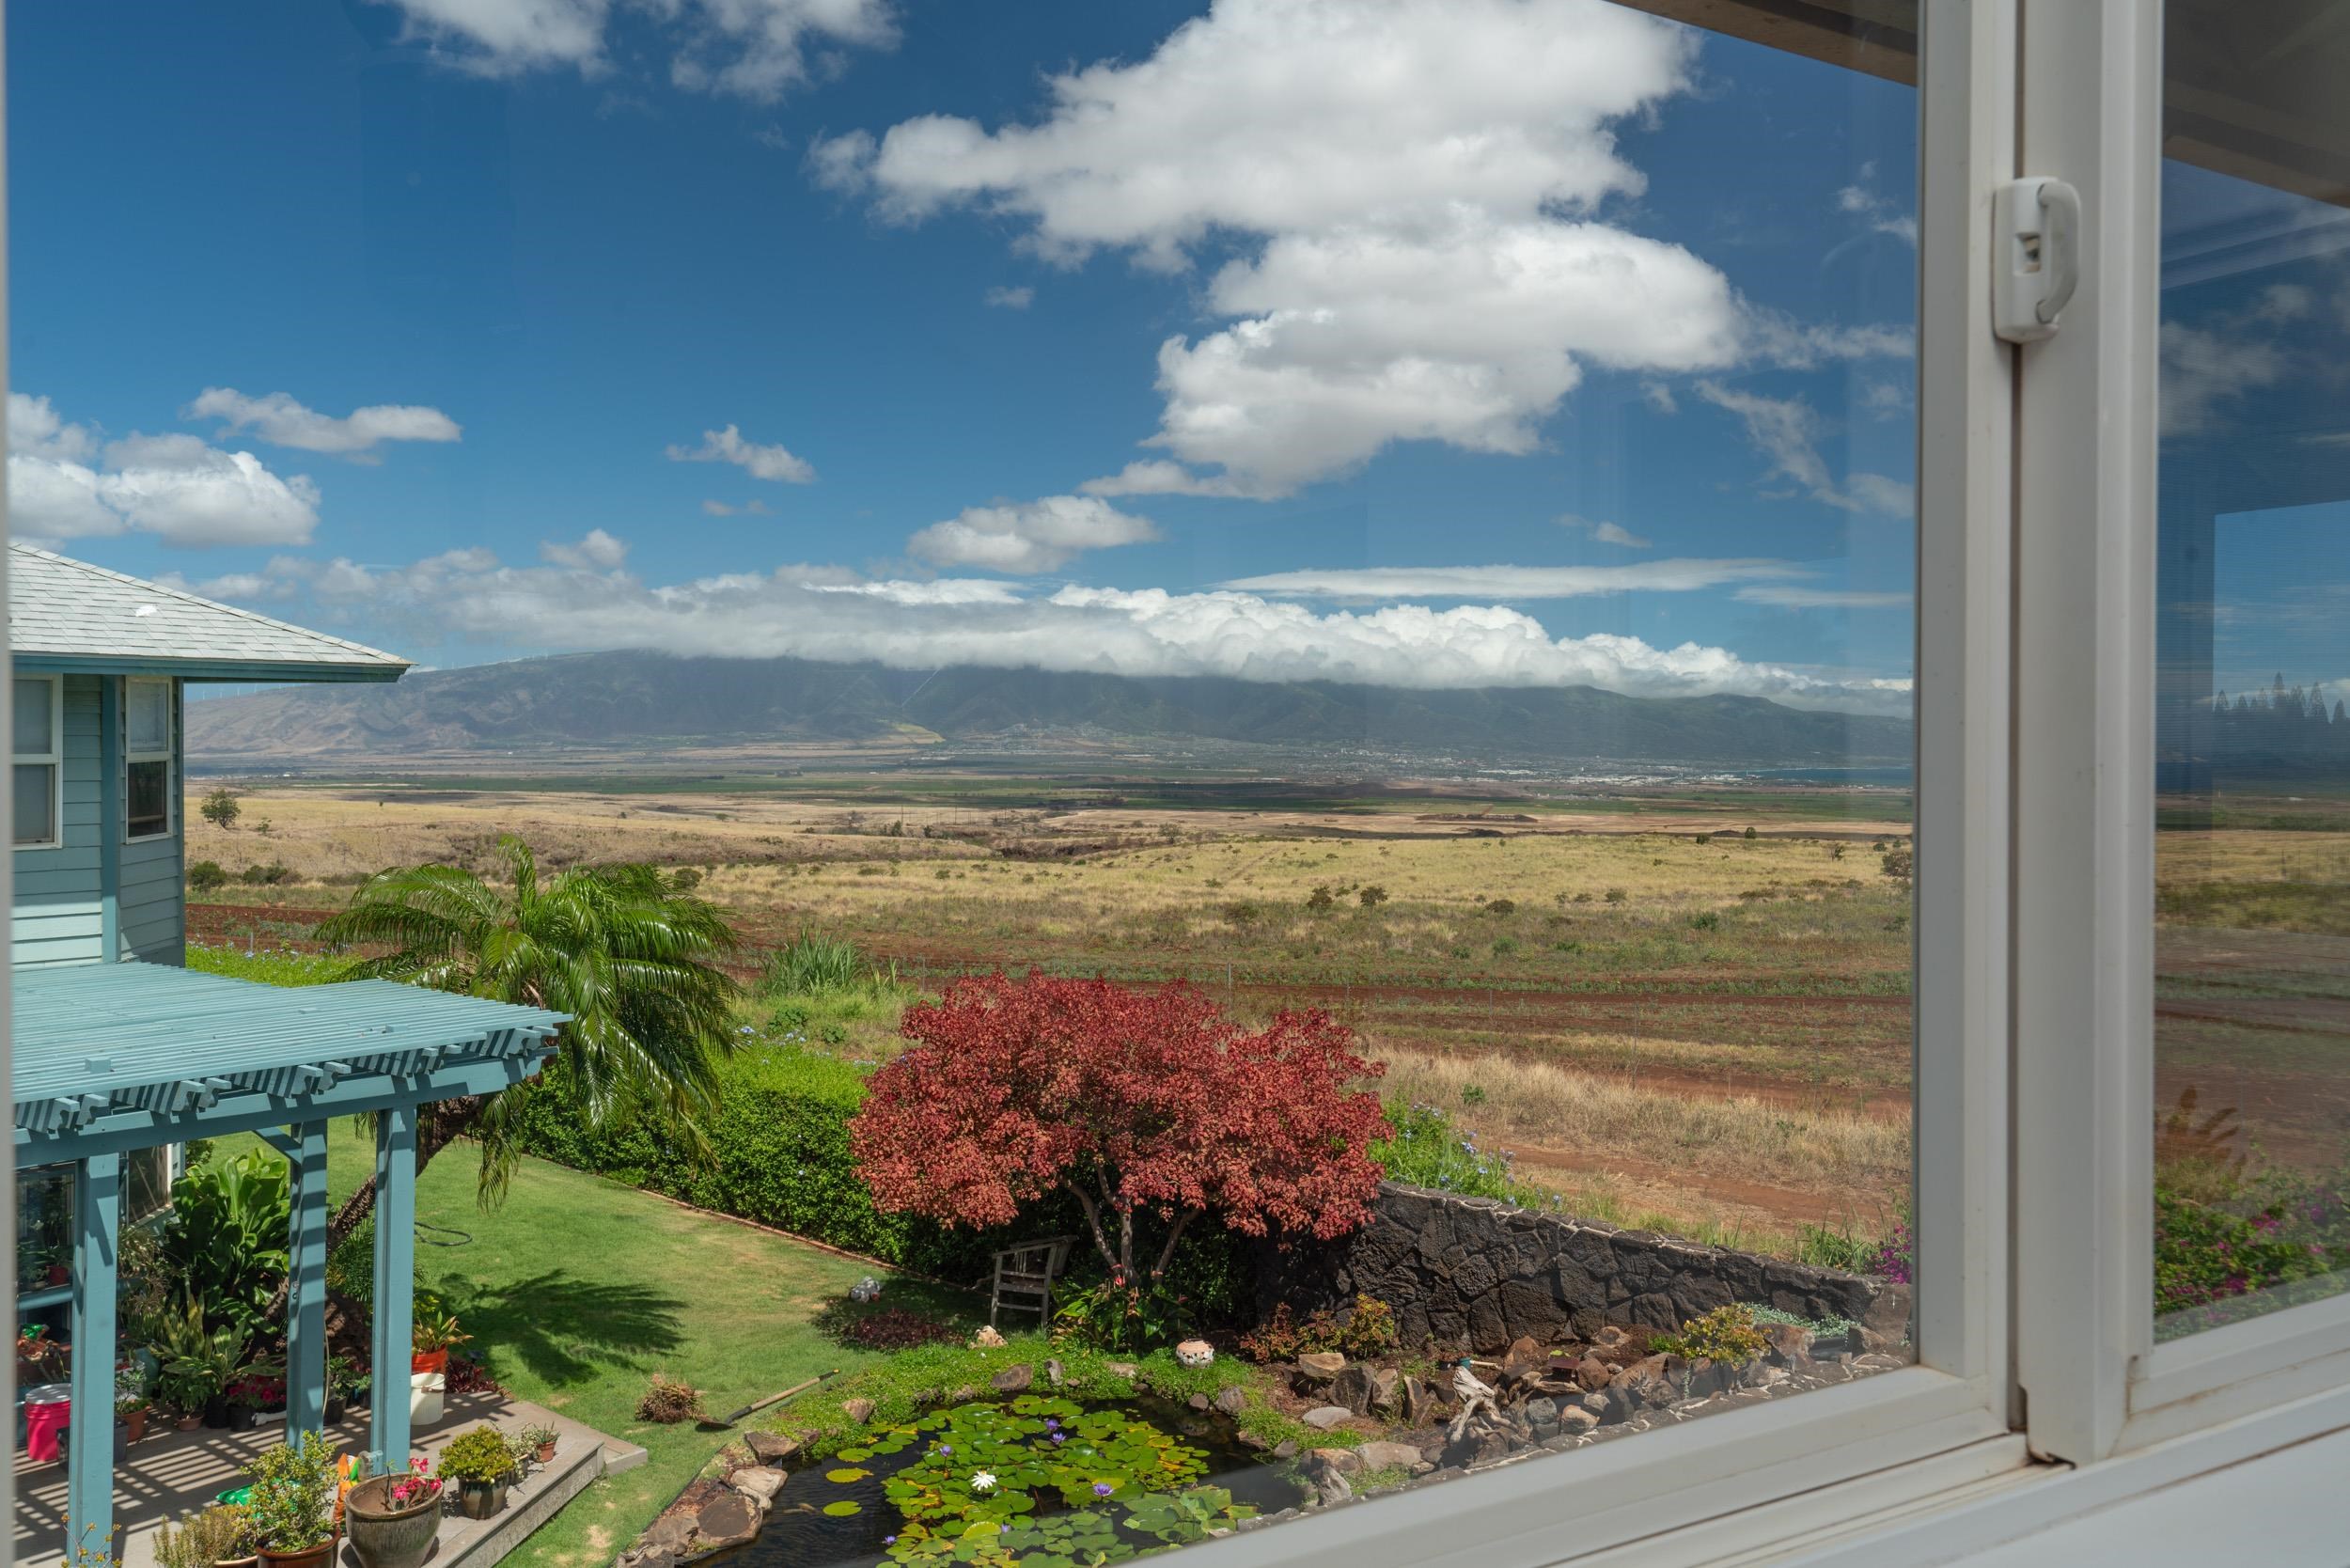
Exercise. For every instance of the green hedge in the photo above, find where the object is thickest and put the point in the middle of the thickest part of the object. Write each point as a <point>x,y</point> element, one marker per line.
<point>778,1153</point>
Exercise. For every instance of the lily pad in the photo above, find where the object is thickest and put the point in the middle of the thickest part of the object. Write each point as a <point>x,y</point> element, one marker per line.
<point>847,1474</point>
<point>842,1509</point>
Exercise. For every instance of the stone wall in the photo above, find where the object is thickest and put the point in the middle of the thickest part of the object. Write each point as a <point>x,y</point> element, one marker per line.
<point>1475,1274</point>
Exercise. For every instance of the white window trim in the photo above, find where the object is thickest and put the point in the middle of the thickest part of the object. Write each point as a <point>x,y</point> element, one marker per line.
<point>1771,1472</point>
<point>55,762</point>
<point>168,757</point>
<point>2095,1382</point>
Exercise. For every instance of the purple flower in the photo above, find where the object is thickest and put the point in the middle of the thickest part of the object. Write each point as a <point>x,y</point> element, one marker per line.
<point>889,1540</point>
<point>1060,1437</point>
<point>946,1447</point>
<point>1103,1488</point>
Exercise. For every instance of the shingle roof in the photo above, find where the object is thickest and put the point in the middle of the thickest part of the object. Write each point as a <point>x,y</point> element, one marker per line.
<point>70,611</point>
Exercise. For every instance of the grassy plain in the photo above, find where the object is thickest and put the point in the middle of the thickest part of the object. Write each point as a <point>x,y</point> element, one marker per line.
<point>1684,1007</point>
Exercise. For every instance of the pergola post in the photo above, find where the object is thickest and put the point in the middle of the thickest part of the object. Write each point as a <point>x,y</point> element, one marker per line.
<point>306,1269</point>
<point>89,1508</point>
<point>393,1344</point>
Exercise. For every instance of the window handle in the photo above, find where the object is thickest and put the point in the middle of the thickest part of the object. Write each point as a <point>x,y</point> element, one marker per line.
<point>2036,232</point>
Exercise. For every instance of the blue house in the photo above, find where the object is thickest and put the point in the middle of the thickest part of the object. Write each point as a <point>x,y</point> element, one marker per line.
<point>122,1054</point>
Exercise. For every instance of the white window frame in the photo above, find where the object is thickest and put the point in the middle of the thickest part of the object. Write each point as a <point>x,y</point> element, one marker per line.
<point>55,762</point>
<point>1767,1473</point>
<point>2095,1383</point>
<point>167,755</point>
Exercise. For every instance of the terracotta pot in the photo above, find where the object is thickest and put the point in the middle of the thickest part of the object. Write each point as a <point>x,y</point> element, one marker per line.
<point>186,1421</point>
<point>237,1562</point>
<point>383,1537</point>
<point>134,1425</point>
<point>429,1362</point>
<point>546,1453</point>
<point>315,1557</point>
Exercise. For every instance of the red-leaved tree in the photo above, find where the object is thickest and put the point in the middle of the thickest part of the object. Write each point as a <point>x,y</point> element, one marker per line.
<point>1131,1100</point>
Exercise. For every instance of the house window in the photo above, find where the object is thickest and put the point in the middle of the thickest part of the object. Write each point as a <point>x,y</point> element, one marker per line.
<point>39,748</point>
<point>147,757</point>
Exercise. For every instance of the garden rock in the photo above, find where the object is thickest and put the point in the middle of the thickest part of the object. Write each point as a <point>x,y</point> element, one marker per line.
<point>1346,1461</point>
<point>1526,1359</point>
<point>1389,1456</point>
<point>1194,1352</point>
<point>1791,1343</point>
<point>667,1534</point>
<point>729,1521</point>
<point>1054,1374</point>
<point>1331,1489</point>
<point>1014,1379</point>
<point>857,1410</point>
<point>1646,1382</point>
<point>1542,1414</point>
<point>759,1484</point>
<point>1576,1421</point>
<point>1320,1365</point>
<point>987,1338</point>
<point>1386,1390</point>
<point>1352,1388</point>
<point>1326,1417</point>
<point>1593,1374</point>
<point>1285,1448</point>
<point>1232,1399</point>
<point>770,1448</point>
<point>1119,1369</point>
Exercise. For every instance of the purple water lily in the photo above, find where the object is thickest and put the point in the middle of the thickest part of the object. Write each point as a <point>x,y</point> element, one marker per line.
<point>1103,1489</point>
<point>1060,1437</point>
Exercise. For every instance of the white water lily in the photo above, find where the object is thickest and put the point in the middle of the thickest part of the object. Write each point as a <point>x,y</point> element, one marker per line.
<point>982,1482</point>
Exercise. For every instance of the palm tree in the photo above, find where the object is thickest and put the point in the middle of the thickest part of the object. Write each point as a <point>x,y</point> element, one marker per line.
<point>619,949</point>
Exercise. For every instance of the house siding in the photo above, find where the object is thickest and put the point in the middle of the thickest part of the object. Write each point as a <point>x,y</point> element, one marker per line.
<point>58,915</point>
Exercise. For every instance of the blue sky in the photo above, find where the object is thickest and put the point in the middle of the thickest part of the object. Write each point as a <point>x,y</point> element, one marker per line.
<point>1500,340</point>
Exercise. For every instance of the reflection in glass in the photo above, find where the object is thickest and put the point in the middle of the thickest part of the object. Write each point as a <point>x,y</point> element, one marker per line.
<point>2253,845</point>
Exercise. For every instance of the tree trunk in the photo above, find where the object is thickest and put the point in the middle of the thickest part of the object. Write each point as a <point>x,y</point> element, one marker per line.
<point>439,1125</point>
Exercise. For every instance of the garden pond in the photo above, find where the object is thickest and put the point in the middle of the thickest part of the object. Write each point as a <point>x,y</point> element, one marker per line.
<point>1037,1481</point>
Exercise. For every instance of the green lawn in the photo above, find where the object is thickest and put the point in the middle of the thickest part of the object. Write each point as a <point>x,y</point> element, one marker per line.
<point>577,1290</point>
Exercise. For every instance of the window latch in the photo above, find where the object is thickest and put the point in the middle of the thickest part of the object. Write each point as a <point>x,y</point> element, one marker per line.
<point>2036,263</point>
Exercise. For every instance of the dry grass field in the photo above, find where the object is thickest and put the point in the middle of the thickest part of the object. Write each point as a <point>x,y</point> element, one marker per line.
<point>1688,1010</point>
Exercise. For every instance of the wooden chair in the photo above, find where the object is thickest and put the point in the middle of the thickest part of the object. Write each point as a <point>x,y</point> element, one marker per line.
<point>1025,1276</point>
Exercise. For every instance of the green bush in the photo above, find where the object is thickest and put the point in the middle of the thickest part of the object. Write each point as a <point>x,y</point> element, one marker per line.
<point>205,875</point>
<point>293,1489</point>
<point>1427,1151</point>
<point>225,1238</point>
<point>1724,1334</point>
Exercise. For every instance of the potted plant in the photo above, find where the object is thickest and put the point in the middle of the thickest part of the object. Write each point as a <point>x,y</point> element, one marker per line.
<point>246,1396</point>
<point>214,1537</point>
<point>197,1364</point>
<point>390,1520</point>
<point>342,1380</point>
<point>40,1357</point>
<point>290,1503</point>
<point>131,1409</point>
<point>482,1467</point>
<point>431,1340</point>
<point>541,1441</point>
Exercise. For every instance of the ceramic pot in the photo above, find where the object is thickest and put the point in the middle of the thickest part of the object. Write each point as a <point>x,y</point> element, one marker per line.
<point>481,1498</point>
<point>315,1557</point>
<point>134,1425</point>
<point>381,1536</point>
<point>546,1453</point>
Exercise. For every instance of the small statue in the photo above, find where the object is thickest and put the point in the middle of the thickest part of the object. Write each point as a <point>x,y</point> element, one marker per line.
<point>1475,1394</point>
<point>987,1338</point>
<point>865,1290</point>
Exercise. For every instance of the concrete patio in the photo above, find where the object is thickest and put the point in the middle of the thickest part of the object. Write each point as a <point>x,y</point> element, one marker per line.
<point>169,1473</point>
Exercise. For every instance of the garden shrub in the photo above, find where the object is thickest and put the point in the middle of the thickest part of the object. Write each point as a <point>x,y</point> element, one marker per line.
<point>1725,1334</point>
<point>1428,1152</point>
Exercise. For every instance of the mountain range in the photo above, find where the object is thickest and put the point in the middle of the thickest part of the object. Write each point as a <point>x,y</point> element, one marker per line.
<point>635,701</point>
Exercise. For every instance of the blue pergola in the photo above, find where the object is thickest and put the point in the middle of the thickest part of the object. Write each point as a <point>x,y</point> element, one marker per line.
<point>113,1058</point>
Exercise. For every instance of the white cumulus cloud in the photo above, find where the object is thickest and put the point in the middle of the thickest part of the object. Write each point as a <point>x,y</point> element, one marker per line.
<point>760,461</point>
<point>825,613</point>
<point>1606,533</point>
<point>753,49</point>
<point>281,421</point>
<point>65,484</point>
<point>1029,535</point>
<point>598,552</point>
<point>1011,299</point>
<point>1416,186</point>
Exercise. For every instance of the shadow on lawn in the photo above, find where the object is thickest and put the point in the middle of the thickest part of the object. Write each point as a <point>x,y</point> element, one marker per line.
<point>567,1329</point>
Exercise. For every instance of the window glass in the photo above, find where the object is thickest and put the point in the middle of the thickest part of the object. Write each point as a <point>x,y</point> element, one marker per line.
<point>35,802</point>
<point>147,751</point>
<point>147,715</point>
<point>1397,515</point>
<point>2252,841</point>
<point>34,791</point>
<point>35,718</point>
